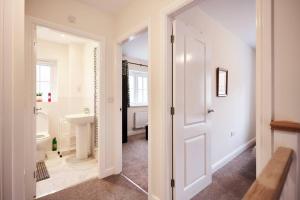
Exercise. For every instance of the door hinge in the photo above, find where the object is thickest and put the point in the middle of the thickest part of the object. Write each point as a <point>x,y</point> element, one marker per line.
<point>172,39</point>
<point>172,110</point>
<point>172,183</point>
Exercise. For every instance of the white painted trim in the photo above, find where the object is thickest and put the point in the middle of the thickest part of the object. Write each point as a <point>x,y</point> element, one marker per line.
<point>229,157</point>
<point>117,147</point>
<point>67,29</point>
<point>136,185</point>
<point>166,19</point>
<point>152,197</point>
<point>263,83</point>
<point>29,123</point>
<point>102,132</point>
<point>136,132</point>
<point>1,97</point>
<point>13,100</point>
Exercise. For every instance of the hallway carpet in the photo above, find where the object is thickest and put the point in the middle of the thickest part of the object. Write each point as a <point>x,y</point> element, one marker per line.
<point>135,160</point>
<point>229,183</point>
<point>111,188</point>
<point>233,180</point>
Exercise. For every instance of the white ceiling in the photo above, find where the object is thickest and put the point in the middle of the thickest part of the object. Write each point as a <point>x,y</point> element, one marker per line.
<point>51,35</point>
<point>238,16</point>
<point>137,47</point>
<point>112,6</point>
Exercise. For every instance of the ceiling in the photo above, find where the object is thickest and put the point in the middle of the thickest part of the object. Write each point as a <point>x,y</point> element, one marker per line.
<point>238,16</point>
<point>51,35</point>
<point>112,6</point>
<point>136,47</point>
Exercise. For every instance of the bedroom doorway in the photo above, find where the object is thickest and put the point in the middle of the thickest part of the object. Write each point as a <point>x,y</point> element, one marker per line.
<point>135,109</point>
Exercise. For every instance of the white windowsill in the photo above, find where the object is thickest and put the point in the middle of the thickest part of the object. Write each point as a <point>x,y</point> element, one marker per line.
<point>138,106</point>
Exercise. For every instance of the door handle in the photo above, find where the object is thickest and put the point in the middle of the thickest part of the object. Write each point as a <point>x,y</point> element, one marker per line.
<point>210,111</point>
<point>36,110</point>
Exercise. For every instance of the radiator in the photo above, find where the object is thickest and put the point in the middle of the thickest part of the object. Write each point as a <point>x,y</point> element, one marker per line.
<point>140,119</point>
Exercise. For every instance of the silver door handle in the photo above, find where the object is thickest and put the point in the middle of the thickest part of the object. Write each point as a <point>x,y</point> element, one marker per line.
<point>210,111</point>
<point>36,110</point>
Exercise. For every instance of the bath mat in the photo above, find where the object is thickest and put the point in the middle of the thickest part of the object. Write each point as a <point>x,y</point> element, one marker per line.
<point>41,171</point>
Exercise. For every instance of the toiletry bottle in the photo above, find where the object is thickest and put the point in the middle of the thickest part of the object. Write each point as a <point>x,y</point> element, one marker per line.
<point>54,144</point>
<point>49,97</point>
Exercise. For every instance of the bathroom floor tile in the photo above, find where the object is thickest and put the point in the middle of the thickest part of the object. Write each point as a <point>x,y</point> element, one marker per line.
<point>66,172</point>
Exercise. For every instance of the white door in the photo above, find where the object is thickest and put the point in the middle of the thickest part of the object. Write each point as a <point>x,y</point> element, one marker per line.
<point>192,169</point>
<point>30,140</point>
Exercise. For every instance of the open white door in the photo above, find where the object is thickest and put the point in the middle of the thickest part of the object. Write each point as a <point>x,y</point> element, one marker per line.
<point>192,168</point>
<point>30,139</point>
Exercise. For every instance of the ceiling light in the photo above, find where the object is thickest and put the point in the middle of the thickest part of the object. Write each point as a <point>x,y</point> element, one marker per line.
<point>62,35</point>
<point>131,38</point>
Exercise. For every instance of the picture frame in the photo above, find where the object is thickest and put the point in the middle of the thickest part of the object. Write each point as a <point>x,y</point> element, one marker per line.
<point>222,82</point>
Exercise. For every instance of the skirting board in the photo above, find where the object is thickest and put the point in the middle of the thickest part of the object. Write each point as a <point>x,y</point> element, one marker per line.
<point>135,132</point>
<point>221,163</point>
<point>152,197</point>
<point>108,172</point>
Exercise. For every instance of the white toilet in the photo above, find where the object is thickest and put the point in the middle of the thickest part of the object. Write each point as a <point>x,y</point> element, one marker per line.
<point>43,140</point>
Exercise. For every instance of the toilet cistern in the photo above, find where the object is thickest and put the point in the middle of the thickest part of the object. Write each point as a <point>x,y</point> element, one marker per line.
<point>83,130</point>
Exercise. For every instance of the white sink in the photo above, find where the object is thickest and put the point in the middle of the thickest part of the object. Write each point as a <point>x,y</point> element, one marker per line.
<point>83,131</point>
<point>80,118</point>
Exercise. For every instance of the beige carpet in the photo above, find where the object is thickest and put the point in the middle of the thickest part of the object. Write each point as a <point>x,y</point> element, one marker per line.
<point>135,160</point>
<point>111,188</point>
<point>229,183</point>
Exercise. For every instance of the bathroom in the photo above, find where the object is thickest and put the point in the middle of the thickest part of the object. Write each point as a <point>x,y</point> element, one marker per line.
<point>67,110</point>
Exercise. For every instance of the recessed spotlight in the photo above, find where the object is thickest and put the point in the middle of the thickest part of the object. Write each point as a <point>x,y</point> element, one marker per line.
<point>131,38</point>
<point>62,35</point>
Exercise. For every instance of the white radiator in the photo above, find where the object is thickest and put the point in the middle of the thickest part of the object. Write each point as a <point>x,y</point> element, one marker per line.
<point>140,119</point>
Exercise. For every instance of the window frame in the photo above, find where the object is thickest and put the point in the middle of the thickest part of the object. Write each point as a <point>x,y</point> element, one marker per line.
<point>136,74</point>
<point>53,78</point>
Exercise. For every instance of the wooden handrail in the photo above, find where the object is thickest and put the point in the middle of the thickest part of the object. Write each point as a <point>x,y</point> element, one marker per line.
<point>285,126</point>
<point>269,184</point>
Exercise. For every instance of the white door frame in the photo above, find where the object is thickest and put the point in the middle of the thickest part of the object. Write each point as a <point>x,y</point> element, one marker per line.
<point>30,64</point>
<point>1,92</point>
<point>12,99</point>
<point>264,86</point>
<point>117,147</point>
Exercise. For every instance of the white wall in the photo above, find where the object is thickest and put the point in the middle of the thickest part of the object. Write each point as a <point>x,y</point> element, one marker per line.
<point>88,79</point>
<point>286,60</point>
<point>236,112</point>
<point>91,21</point>
<point>287,85</point>
<point>75,81</point>
<point>138,47</point>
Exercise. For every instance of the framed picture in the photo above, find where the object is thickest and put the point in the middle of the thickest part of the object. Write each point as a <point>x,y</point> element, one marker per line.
<point>222,82</point>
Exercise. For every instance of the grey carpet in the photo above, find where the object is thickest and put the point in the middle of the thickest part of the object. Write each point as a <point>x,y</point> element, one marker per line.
<point>233,180</point>
<point>41,171</point>
<point>111,188</point>
<point>135,160</point>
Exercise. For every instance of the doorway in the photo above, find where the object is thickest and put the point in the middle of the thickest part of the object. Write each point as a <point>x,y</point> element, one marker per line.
<point>65,72</point>
<point>212,59</point>
<point>135,81</point>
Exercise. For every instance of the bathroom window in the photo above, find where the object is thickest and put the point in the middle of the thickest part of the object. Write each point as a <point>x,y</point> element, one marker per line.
<point>46,80</point>
<point>138,88</point>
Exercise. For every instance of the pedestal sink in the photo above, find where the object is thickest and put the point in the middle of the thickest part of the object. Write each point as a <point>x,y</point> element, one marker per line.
<point>83,130</point>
